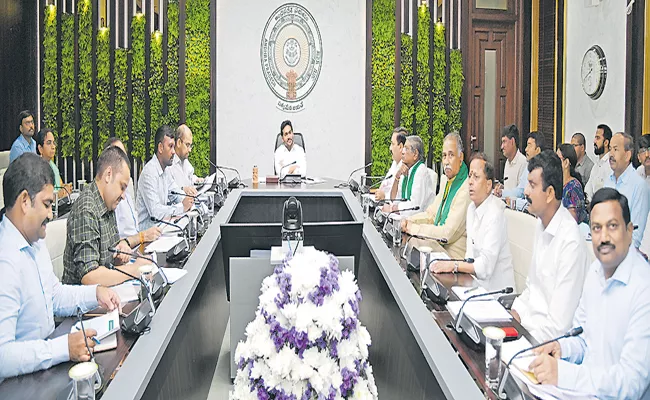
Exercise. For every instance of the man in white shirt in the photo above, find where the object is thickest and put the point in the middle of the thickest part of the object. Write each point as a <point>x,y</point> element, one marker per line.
<point>125,215</point>
<point>559,260</point>
<point>534,146</point>
<point>30,294</point>
<point>156,187</point>
<point>601,171</point>
<point>584,165</point>
<point>397,141</point>
<point>516,165</point>
<point>611,359</point>
<point>412,180</point>
<point>445,218</point>
<point>182,170</point>
<point>289,153</point>
<point>487,234</point>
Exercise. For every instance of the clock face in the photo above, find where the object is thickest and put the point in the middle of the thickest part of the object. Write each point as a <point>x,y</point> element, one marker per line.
<point>593,72</point>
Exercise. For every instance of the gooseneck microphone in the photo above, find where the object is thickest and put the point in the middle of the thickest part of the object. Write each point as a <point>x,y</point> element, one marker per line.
<point>216,167</point>
<point>459,317</point>
<point>351,183</point>
<point>162,221</point>
<point>573,332</point>
<point>235,183</point>
<point>423,237</point>
<point>415,208</point>
<point>367,190</point>
<point>285,166</point>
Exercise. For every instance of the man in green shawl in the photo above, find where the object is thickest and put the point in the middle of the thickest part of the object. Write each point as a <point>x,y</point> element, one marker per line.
<point>445,218</point>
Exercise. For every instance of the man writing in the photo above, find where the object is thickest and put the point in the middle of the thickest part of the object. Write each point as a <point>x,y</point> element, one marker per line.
<point>30,294</point>
<point>611,359</point>
<point>559,260</point>
<point>487,235</point>
<point>445,218</point>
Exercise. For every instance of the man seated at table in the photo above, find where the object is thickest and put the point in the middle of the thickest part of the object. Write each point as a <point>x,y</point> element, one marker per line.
<point>487,234</point>
<point>626,180</point>
<point>559,260</point>
<point>24,143</point>
<point>611,359</point>
<point>92,230</point>
<point>445,218</point>
<point>156,187</point>
<point>46,147</point>
<point>515,170</point>
<point>182,170</point>
<point>397,142</point>
<point>30,293</point>
<point>534,146</point>
<point>412,181</point>
<point>125,216</point>
<point>289,153</point>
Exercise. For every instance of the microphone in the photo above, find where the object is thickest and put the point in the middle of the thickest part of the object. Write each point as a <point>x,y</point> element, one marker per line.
<point>162,221</point>
<point>459,317</point>
<point>216,167</point>
<point>382,202</point>
<point>439,240</point>
<point>571,333</point>
<point>236,182</point>
<point>367,190</point>
<point>176,252</point>
<point>291,163</point>
<point>83,331</point>
<point>415,208</point>
<point>351,183</point>
<point>184,194</point>
<point>155,289</point>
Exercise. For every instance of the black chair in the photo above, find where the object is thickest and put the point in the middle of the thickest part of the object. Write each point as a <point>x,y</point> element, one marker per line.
<point>297,139</point>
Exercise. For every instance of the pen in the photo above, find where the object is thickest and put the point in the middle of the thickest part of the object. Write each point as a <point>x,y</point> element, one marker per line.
<point>471,290</point>
<point>94,339</point>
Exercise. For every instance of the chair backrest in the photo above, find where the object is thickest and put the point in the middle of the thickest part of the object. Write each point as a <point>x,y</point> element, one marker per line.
<point>2,175</point>
<point>4,159</point>
<point>57,232</point>
<point>297,139</point>
<point>434,178</point>
<point>521,235</point>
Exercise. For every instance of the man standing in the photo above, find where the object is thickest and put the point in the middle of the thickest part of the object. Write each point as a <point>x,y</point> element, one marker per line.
<point>584,164</point>
<point>25,142</point>
<point>30,294</point>
<point>92,229</point>
<point>559,260</point>
<point>411,180</point>
<point>397,141</point>
<point>611,359</point>
<point>625,179</point>
<point>445,218</point>
<point>182,170</point>
<point>515,170</point>
<point>601,171</point>
<point>289,153</point>
<point>487,234</point>
<point>156,187</point>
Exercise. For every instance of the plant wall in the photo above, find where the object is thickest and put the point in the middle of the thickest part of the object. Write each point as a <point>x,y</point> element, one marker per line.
<point>423,83</point>
<point>66,92</point>
<point>456,81</point>
<point>383,83</point>
<point>104,111</point>
<point>138,127</point>
<point>84,78</point>
<point>155,88</point>
<point>197,67</point>
<point>50,61</point>
<point>171,86</point>
<point>120,110</point>
<point>406,73</point>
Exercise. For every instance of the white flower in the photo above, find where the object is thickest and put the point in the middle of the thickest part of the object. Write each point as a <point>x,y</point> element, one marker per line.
<point>371,381</point>
<point>305,317</point>
<point>281,362</point>
<point>361,391</point>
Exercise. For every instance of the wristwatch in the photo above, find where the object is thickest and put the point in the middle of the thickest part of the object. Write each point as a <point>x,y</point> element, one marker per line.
<point>455,267</point>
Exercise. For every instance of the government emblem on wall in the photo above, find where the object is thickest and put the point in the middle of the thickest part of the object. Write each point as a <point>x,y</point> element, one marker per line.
<point>291,52</point>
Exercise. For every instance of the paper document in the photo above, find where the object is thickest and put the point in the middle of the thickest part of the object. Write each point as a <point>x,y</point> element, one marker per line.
<point>207,184</point>
<point>550,392</point>
<point>168,230</point>
<point>163,244</point>
<point>174,274</point>
<point>464,292</point>
<point>104,325</point>
<point>480,311</point>
<point>128,291</point>
<point>312,180</point>
<point>522,362</point>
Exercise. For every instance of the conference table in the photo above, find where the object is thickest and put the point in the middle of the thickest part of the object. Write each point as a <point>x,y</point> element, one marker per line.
<point>413,353</point>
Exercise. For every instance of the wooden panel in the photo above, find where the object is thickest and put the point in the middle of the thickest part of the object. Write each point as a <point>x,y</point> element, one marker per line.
<point>18,80</point>
<point>546,71</point>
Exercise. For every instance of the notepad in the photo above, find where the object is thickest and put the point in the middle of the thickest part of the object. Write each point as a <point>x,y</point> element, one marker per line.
<point>128,291</point>
<point>522,362</point>
<point>480,311</point>
<point>163,244</point>
<point>168,230</point>
<point>104,325</point>
<point>464,292</point>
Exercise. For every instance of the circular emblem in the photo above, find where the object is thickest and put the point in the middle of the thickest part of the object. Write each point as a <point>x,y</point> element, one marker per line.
<point>291,52</point>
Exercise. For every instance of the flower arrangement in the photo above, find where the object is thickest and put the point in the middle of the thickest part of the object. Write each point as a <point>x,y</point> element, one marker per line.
<point>306,341</point>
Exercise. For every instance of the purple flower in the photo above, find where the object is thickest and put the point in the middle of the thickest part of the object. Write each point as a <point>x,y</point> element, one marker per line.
<point>349,379</point>
<point>334,349</point>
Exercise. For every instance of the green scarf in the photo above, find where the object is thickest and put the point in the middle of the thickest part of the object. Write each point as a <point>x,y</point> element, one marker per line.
<point>407,184</point>
<point>443,211</point>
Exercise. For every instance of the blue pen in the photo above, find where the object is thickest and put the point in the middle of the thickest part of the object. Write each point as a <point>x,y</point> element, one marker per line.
<point>94,339</point>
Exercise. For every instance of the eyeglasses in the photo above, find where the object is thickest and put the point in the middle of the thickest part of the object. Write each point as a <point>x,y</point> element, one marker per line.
<point>189,145</point>
<point>577,145</point>
<point>643,150</point>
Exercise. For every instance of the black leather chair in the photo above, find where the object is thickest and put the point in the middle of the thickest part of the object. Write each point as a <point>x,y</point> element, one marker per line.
<point>297,139</point>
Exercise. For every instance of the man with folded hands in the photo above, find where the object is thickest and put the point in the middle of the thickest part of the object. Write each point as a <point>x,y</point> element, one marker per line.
<point>445,218</point>
<point>611,359</point>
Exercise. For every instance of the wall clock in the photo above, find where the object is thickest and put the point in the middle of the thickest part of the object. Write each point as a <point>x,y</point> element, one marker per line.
<point>593,72</point>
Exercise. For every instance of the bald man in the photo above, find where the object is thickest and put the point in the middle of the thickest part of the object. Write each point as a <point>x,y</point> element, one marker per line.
<point>182,171</point>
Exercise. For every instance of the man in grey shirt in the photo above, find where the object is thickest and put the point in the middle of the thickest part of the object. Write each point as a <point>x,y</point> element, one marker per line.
<point>585,164</point>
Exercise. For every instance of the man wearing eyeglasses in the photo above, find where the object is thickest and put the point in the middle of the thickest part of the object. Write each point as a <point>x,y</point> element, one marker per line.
<point>585,164</point>
<point>182,171</point>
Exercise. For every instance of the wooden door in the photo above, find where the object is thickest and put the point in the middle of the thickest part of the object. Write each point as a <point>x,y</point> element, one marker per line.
<point>493,102</point>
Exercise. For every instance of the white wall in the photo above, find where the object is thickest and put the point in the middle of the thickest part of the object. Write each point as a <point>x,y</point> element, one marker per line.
<point>604,25</point>
<point>333,118</point>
